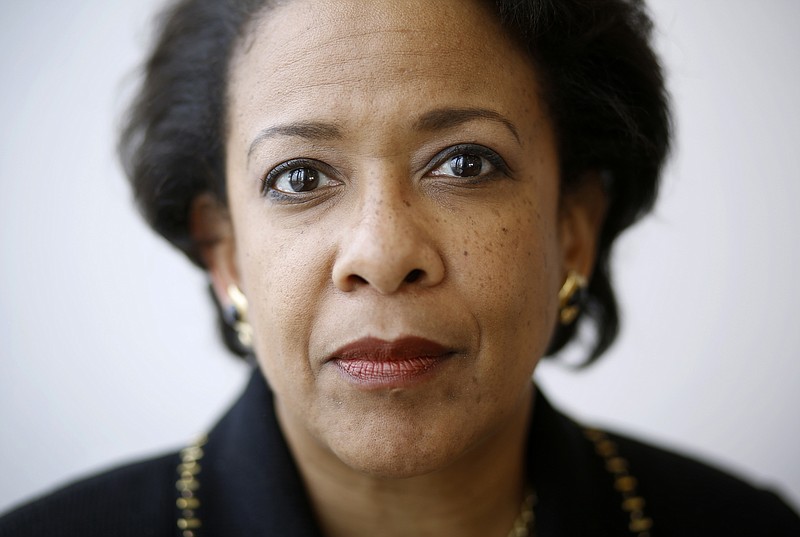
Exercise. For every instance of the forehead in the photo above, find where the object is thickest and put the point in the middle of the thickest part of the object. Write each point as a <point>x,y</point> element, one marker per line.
<point>346,58</point>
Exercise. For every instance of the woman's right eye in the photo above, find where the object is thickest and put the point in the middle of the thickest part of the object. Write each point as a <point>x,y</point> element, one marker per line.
<point>293,178</point>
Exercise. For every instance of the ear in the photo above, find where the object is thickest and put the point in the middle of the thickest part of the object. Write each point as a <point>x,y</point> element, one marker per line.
<point>212,231</point>
<point>582,212</point>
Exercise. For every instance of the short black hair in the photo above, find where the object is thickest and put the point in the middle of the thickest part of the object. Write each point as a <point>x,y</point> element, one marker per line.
<point>600,79</point>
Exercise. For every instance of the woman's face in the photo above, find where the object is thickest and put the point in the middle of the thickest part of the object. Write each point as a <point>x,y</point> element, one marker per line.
<point>393,189</point>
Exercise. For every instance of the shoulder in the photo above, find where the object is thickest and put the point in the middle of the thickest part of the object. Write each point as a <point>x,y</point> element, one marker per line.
<point>593,471</point>
<point>686,497</point>
<point>133,500</point>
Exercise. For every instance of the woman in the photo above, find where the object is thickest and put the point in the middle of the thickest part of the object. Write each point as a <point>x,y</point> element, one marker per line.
<point>402,208</point>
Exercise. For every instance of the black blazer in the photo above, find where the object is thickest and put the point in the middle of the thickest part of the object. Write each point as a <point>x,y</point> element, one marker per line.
<point>251,487</point>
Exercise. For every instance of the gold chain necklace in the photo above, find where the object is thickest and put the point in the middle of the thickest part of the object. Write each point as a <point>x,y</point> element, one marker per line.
<point>188,485</point>
<point>639,524</point>
<point>525,524</point>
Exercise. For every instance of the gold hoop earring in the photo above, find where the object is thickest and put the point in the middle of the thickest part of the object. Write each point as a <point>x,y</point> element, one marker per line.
<point>571,297</point>
<point>238,316</point>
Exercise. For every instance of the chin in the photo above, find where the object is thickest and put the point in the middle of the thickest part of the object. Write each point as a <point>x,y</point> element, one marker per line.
<point>399,460</point>
<point>397,448</point>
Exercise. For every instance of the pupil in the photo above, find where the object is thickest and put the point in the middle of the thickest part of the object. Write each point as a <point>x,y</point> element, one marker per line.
<point>466,165</point>
<point>303,179</point>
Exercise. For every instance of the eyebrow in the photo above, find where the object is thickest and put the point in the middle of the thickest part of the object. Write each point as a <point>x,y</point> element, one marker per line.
<point>435,120</point>
<point>447,118</point>
<point>310,130</point>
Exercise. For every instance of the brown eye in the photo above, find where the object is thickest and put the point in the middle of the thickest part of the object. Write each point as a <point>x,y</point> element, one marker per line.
<point>303,179</point>
<point>298,177</point>
<point>466,165</point>
<point>467,161</point>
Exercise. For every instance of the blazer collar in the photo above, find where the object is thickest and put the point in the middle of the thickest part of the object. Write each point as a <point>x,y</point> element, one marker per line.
<point>576,495</point>
<point>250,485</point>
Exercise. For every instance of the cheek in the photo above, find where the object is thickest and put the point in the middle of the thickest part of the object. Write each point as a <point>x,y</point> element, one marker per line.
<point>284,275</point>
<point>508,263</point>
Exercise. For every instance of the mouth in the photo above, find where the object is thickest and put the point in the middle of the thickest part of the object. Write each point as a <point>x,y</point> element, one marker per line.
<point>377,363</point>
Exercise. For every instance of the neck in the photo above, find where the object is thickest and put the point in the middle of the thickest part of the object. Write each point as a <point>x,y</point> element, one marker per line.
<point>477,495</point>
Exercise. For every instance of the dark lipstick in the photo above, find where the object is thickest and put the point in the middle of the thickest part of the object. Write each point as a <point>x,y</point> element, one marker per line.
<point>379,363</point>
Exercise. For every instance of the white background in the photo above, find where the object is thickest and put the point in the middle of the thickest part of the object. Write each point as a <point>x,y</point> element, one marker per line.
<point>107,341</point>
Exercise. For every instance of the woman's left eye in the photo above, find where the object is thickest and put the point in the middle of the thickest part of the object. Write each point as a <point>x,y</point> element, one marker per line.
<point>467,162</point>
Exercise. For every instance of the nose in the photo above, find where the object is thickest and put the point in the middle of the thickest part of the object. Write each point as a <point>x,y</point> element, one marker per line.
<point>389,247</point>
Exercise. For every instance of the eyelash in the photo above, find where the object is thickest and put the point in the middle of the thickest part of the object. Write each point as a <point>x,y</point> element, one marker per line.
<point>472,149</point>
<point>269,180</point>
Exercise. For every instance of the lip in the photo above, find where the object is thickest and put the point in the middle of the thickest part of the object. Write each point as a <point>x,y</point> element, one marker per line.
<point>377,363</point>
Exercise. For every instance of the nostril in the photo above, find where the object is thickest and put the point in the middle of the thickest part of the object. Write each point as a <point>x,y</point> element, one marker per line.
<point>413,276</point>
<point>358,279</point>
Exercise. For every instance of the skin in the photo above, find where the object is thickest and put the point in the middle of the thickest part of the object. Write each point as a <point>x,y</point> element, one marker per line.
<point>393,244</point>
